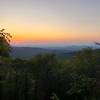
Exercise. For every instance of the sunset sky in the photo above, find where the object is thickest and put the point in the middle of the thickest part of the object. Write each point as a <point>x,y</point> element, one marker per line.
<point>51,21</point>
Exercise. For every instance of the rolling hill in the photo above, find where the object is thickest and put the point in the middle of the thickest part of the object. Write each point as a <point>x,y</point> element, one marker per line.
<point>29,52</point>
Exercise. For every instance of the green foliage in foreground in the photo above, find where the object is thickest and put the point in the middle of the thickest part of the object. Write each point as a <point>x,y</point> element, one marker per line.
<point>46,77</point>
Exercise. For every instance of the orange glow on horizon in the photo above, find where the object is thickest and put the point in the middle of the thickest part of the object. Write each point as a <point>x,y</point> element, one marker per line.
<point>48,34</point>
<point>37,38</point>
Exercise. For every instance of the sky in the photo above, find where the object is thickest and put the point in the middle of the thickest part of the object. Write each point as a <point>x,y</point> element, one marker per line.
<point>48,22</point>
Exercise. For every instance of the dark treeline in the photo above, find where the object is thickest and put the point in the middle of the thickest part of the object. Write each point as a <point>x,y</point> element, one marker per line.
<point>46,77</point>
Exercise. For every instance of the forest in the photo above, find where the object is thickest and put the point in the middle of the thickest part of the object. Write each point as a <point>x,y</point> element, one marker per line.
<point>47,77</point>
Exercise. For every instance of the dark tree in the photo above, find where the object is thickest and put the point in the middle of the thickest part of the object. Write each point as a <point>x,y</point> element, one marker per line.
<point>97,43</point>
<point>5,47</point>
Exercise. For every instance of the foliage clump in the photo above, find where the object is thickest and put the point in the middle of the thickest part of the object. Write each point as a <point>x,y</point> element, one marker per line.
<point>5,47</point>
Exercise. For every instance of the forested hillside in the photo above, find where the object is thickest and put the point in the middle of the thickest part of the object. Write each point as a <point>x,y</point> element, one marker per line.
<point>47,77</point>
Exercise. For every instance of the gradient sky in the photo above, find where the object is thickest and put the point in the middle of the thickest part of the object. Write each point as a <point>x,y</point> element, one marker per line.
<point>51,21</point>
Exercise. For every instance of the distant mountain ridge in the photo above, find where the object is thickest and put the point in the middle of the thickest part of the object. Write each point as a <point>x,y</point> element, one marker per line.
<point>29,52</point>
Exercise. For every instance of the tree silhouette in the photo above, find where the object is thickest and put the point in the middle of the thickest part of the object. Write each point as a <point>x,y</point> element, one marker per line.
<point>97,43</point>
<point>4,43</point>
